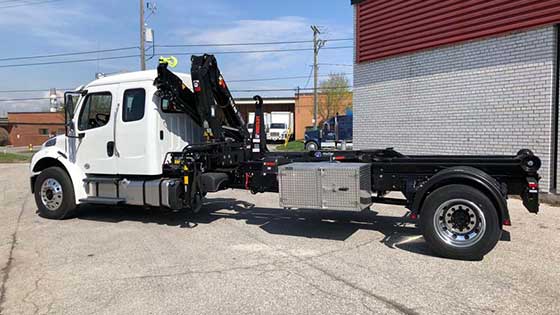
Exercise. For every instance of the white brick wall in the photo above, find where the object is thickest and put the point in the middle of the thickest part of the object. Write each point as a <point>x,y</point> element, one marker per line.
<point>492,96</point>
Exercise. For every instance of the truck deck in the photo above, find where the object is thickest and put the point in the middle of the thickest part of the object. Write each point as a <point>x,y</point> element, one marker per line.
<point>460,201</point>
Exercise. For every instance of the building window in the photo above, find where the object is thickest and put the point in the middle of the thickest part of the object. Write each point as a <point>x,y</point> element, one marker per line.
<point>96,111</point>
<point>134,104</point>
<point>44,132</point>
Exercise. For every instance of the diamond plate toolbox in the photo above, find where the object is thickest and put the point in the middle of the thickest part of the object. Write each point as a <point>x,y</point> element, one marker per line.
<point>330,186</point>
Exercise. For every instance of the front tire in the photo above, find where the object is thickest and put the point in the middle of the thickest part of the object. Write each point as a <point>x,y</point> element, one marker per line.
<point>54,194</point>
<point>460,222</point>
<point>311,146</point>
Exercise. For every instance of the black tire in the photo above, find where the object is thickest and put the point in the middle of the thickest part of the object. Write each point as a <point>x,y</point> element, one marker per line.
<point>311,146</point>
<point>63,209</point>
<point>435,233</point>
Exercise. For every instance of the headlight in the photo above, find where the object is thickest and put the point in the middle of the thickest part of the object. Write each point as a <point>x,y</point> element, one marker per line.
<point>50,143</point>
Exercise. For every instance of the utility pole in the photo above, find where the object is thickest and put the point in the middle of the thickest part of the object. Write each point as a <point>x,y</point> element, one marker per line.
<point>142,37</point>
<point>317,45</point>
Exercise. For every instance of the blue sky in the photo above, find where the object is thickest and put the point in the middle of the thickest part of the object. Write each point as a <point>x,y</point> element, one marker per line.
<point>82,25</point>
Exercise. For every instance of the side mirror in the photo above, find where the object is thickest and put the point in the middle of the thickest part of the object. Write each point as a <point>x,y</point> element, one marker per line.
<point>70,102</point>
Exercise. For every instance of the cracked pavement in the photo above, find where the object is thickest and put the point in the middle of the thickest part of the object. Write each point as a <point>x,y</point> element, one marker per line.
<point>245,256</point>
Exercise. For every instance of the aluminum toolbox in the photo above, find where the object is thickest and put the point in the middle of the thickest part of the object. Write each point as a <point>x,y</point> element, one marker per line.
<point>332,186</point>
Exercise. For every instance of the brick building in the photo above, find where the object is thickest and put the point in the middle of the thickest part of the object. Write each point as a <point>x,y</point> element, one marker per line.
<point>301,105</point>
<point>304,111</point>
<point>458,77</point>
<point>34,128</point>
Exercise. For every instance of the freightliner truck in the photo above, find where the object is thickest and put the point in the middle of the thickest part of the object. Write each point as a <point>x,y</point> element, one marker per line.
<point>164,139</point>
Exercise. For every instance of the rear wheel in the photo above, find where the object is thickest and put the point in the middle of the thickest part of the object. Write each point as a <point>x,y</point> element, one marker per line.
<point>460,222</point>
<point>54,194</point>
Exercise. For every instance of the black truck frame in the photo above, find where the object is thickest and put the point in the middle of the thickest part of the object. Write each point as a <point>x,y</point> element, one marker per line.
<point>459,201</point>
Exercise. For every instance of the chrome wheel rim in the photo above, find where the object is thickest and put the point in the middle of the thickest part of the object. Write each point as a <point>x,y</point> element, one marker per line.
<point>51,194</point>
<point>312,147</point>
<point>460,223</point>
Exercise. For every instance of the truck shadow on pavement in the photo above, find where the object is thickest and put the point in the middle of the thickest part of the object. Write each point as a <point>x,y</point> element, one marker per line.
<point>398,232</point>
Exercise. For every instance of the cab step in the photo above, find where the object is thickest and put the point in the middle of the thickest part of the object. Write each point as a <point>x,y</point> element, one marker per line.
<point>103,201</point>
<point>94,179</point>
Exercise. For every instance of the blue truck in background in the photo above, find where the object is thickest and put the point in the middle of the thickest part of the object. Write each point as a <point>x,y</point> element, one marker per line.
<point>335,133</point>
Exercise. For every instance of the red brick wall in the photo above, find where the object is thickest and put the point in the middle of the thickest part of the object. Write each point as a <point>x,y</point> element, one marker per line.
<point>25,127</point>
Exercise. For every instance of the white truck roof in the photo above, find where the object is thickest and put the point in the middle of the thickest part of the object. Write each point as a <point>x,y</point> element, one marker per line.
<point>137,76</point>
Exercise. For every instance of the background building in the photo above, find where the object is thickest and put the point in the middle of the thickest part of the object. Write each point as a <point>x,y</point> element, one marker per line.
<point>304,111</point>
<point>458,77</point>
<point>34,127</point>
<point>301,105</point>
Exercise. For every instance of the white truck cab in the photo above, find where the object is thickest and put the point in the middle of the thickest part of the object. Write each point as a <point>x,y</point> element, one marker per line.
<point>119,128</point>
<point>281,126</point>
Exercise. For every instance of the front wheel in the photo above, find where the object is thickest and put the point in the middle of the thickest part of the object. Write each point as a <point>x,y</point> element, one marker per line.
<point>54,194</point>
<point>311,146</point>
<point>460,222</point>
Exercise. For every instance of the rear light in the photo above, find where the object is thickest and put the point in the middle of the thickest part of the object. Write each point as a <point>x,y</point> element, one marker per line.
<point>222,82</point>
<point>270,164</point>
<point>507,222</point>
<point>533,186</point>
<point>414,216</point>
<point>196,86</point>
<point>339,158</point>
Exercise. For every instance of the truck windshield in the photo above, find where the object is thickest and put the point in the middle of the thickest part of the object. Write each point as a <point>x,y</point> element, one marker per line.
<point>277,126</point>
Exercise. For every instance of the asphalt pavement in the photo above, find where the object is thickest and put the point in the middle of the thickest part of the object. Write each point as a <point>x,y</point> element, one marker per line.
<point>243,255</point>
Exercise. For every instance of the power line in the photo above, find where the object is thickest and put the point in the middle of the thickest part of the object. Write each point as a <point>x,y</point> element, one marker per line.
<point>163,53</point>
<point>67,61</point>
<point>251,43</point>
<point>277,78</point>
<point>69,54</point>
<point>229,81</point>
<point>177,54</point>
<point>308,78</point>
<point>24,99</point>
<point>136,47</point>
<point>28,4</point>
<point>34,90</point>
<point>251,51</point>
<point>237,90</point>
<point>287,89</point>
<point>336,64</point>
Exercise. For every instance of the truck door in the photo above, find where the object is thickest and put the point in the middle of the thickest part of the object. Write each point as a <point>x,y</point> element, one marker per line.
<point>131,132</point>
<point>95,148</point>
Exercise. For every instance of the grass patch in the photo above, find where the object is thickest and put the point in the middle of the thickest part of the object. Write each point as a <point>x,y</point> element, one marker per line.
<point>294,146</point>
<point>14,158</point>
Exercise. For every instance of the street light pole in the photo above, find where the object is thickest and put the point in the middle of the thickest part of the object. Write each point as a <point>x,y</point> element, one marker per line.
<point>142,37</point>
<point>317,45</point>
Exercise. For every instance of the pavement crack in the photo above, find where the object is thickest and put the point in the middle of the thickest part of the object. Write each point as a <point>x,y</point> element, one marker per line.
<point>30,293</point>
<point>393,304</point>
<point>9,263</point>
<point>390,303</point>
<point>196,272</point>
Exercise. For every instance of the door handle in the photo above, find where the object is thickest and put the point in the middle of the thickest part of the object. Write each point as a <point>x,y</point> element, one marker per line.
<point>110,148</point>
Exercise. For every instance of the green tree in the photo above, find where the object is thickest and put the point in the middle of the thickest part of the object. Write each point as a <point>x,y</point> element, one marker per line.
<point>4,136</point>
<point>335,96</point>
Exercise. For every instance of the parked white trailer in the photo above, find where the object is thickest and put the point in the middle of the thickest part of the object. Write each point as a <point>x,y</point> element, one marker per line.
<point>281,126</point>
